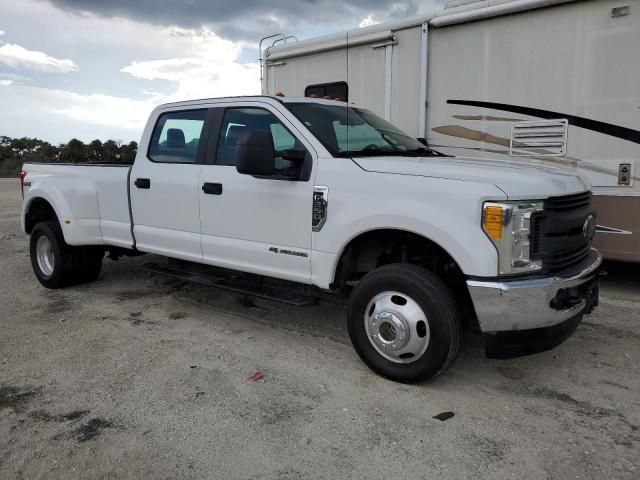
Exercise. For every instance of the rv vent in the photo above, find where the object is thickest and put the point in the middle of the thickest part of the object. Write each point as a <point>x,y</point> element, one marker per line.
<point>624,174</point>
<point>541,138</point>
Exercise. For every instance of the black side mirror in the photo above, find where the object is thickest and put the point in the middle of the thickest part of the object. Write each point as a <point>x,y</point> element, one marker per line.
<point>294,155</point>
<point>255,154</point>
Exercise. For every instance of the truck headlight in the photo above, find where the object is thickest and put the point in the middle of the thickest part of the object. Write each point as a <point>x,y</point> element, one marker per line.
<point>508,226</point>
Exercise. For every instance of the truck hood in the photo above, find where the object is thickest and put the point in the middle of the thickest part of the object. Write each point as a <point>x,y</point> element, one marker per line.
<point>518,179</point>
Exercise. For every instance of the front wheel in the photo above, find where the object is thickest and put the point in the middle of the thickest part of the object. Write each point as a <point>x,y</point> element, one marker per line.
<point>403,322</point>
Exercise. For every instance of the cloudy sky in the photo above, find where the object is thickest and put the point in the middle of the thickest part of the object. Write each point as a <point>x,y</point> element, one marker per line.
<point>95,68</point>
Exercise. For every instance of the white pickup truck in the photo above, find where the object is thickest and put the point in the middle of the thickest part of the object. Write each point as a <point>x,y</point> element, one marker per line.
<point>327,195</point>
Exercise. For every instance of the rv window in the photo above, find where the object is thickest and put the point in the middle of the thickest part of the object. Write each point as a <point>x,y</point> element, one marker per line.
<point>335,90</point>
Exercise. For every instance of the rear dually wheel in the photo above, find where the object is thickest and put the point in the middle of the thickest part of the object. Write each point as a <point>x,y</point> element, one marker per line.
<point>57,264</point>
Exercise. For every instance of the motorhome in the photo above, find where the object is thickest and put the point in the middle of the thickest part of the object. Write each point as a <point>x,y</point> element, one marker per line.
<point>543,81</point>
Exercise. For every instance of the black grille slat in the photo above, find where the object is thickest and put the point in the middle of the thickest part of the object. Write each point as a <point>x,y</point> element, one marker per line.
<point>566,259</point>
<point>556,232</point>
<point>568,202</point>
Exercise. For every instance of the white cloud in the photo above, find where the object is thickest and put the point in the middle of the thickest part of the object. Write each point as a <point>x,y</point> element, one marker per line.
<point>368,21</point>
<point>61,115</point>
<point>100,109</point>
<point>14,78</point>
<point>211,70</point>
<point>16,56</point>
<point>172,64</point>
<point>1,32</point>
<point>5,82</point>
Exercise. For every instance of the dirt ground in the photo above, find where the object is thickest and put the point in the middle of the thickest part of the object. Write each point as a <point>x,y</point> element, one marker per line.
<point>137,376</point>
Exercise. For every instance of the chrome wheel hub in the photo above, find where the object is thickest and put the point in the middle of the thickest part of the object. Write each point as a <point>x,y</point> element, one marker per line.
<point>45,257</point>
<point>396,327</point>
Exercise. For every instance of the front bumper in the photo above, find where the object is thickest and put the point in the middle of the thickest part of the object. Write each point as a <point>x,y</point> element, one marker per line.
<point>513,305</point>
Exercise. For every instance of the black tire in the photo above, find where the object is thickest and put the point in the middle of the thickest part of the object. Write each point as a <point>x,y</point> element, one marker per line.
<point>91,264</point>
<point>436,301</point>
<point>71,265</point>
<point>64,264</point>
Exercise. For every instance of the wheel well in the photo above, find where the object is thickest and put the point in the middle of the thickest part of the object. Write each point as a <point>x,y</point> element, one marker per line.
<point>375,248</point>
<point>39,211</point>
<point>381,247</point>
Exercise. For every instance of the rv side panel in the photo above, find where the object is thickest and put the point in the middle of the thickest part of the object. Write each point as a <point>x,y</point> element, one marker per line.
<point>406,80</point>
<point>573,61</point>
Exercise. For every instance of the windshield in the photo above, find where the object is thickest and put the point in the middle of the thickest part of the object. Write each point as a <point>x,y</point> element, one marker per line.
<point>348,131</point>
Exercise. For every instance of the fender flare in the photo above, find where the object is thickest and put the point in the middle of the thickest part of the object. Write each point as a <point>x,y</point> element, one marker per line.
<point>78,204</point>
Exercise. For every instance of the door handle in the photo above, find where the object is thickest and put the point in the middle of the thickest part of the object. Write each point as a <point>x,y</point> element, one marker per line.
<point>212,188</point>
<point>143,183</point>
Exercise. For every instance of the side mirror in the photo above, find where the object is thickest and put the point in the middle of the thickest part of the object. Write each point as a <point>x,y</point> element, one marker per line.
<point>423,141</point>
<point>255,154</point>
<point>294,155</point>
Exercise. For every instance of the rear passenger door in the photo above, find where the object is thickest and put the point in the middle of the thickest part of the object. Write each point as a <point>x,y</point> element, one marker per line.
<point>258,225</point>
<point>164,185</point>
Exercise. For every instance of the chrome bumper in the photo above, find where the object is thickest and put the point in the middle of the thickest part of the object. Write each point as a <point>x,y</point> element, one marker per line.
<point>526,304</point>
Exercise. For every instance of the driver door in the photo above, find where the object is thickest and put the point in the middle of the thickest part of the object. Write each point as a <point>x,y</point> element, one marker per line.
<point>258,225</point>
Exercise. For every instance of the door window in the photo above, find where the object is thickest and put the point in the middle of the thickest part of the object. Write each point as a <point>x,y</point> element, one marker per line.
<point>240,120</point>
<point>176,137</point>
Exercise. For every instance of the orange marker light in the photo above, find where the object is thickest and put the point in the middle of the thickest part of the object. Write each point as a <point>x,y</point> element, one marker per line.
<point>279,94</point>
<point>492,221</point>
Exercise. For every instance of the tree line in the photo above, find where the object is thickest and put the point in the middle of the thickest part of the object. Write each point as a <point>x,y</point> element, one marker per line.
<point>16,151</point>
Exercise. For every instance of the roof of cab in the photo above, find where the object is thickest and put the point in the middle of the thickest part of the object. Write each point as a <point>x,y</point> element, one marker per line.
<point>271,98</point>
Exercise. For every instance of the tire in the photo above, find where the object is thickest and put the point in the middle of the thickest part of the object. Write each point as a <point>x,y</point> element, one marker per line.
<point>91,264</point>
<point>387,328</point>
<point>58,271</point>
<point>57,264</point>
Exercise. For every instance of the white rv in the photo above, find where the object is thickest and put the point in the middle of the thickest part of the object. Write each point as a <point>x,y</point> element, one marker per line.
<point>540,80</point>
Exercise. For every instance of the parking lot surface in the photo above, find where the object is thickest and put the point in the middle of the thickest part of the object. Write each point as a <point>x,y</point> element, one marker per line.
<point>137,375</point>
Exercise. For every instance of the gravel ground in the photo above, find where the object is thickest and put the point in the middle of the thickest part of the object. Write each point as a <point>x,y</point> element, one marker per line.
<point>137,376</point>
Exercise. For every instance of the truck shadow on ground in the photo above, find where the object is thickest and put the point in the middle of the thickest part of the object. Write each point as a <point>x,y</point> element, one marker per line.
<point>326,320</point>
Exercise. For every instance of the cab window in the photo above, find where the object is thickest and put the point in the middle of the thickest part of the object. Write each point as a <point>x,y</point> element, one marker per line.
<point>176,137</point>
<point>245,119</point>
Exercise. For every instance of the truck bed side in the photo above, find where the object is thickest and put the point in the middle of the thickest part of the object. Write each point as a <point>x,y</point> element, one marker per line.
<point>91,201</point>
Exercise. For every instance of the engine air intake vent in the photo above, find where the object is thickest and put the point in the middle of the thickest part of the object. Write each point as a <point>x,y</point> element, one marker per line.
<point>540,138</point>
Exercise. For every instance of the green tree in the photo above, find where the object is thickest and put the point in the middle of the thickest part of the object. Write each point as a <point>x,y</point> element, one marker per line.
<point>95,153</point>
<point>73,152</point>
<point>128,152</point>
<point>110,152</point>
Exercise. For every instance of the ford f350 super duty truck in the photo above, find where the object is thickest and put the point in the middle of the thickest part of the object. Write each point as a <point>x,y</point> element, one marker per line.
<point>323,194</point>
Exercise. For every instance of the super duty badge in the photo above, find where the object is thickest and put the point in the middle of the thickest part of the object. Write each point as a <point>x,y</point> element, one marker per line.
<point>319,209</point>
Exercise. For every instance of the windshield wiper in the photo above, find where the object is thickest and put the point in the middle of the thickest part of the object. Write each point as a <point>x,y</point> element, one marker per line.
<point>422,151</point>
<point>390,152</point>
<point>382,152</point>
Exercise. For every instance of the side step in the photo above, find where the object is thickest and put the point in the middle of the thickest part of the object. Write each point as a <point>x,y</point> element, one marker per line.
<point>245,286</point>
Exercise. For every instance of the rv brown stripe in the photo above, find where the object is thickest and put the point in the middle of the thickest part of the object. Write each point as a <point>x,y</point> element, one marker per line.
<point>594,125</point>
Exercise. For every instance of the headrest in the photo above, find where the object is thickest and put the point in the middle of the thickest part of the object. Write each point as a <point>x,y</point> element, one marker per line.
<point>175,138</point>
<point>233,132</point>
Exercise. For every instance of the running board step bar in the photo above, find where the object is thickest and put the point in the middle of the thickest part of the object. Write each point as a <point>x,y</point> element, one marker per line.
<point>237,285</point>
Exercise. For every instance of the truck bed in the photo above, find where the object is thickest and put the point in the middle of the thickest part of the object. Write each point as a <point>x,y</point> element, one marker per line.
<point>92,197</point>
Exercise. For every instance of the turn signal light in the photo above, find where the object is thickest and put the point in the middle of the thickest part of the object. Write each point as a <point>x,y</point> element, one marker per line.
<point>22,175</point>
<point>493,221</point>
